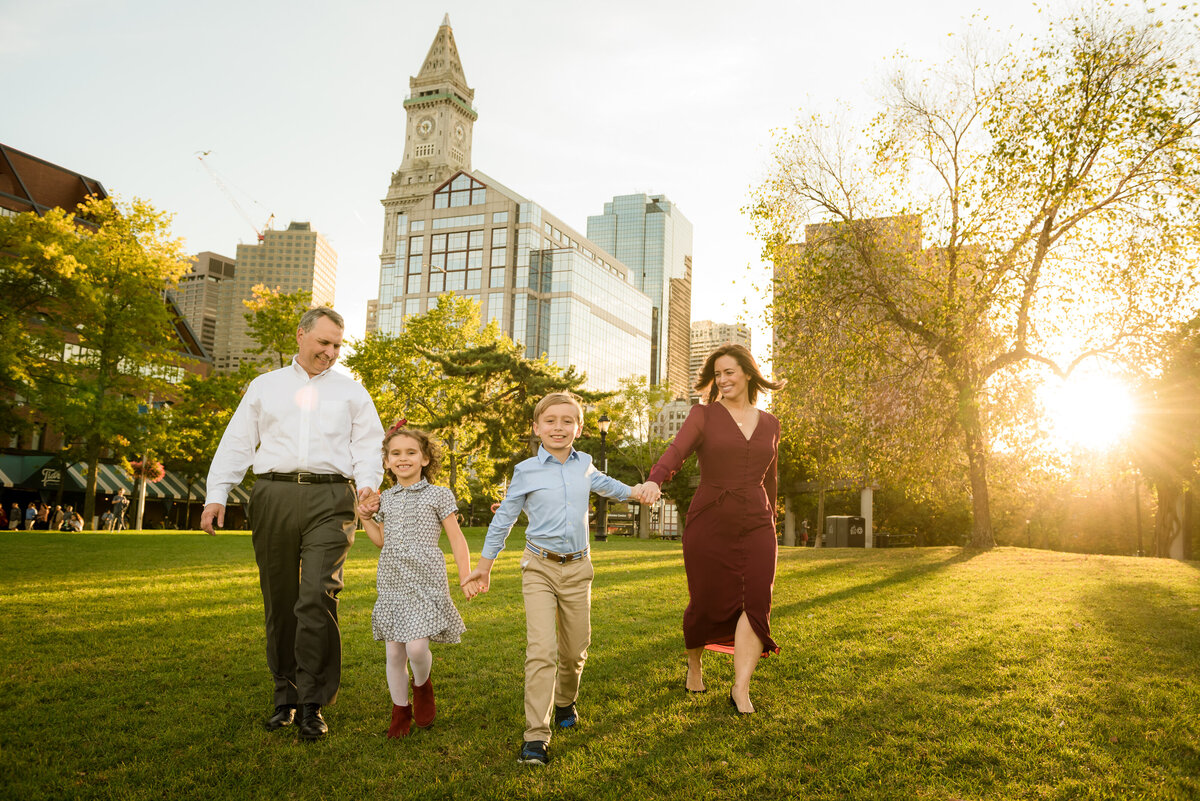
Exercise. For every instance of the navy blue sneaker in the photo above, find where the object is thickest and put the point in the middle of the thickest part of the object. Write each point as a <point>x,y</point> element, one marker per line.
<point>534,753</point>
<point>565,716</point>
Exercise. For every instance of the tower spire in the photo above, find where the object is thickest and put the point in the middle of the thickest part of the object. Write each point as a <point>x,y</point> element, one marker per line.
<point>442,68</point>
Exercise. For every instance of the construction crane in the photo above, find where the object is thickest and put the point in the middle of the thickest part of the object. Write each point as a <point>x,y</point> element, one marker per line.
<point>200,156</point>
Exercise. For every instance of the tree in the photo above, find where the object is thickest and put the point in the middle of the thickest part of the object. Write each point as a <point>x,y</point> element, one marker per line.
<point>37,270</point>
<point>1167,441</point>
<point>123,349</point>
<point>197,421</point>
<point>497,410</point>
<point>273,319</point>
<point>633,410</point>
<point>1056,192</point>
<point>407,384</point>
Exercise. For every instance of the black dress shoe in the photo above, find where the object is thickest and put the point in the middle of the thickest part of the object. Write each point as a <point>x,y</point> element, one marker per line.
<point>283,717</point>
<point>312,725</point>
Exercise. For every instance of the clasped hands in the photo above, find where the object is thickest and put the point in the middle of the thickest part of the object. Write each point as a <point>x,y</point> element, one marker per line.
<point>368,502</point>
<point>647,492</point>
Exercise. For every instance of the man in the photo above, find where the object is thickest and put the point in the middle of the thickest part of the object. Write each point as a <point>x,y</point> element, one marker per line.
<point>119,504</point>
<point>307,431</point>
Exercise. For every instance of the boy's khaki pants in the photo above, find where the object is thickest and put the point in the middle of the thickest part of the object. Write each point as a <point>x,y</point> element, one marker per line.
<point>558,601</point>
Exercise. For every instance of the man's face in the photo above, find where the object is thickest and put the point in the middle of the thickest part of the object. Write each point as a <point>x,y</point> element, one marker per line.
<point>319,348</point>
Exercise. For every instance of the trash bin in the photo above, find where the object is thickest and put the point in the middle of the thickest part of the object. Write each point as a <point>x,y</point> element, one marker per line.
<point>845,531</point>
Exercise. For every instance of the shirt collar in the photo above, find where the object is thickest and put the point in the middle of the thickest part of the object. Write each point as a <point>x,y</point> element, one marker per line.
<point>420,485</point>
<point>545,455</point>
<point>300,371</point>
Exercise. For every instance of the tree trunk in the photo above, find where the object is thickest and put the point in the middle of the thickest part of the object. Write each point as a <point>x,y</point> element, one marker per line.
<point>89,496</point>
<point>976,447</point>
<point>820,532</point>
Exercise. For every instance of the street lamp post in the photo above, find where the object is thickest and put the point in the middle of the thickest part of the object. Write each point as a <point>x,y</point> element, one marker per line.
<point>601,501</point>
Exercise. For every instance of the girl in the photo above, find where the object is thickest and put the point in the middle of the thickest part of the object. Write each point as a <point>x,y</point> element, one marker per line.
<point>414,603</point>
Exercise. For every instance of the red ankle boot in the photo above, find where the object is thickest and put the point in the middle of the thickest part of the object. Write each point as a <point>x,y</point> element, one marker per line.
<point>424,707</point>
<point>401,720</point>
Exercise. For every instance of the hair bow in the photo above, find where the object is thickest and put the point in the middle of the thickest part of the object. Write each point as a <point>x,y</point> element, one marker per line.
<point>396,426</point>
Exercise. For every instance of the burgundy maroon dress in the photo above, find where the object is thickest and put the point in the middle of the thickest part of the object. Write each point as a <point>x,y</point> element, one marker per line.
<point>729,546</point>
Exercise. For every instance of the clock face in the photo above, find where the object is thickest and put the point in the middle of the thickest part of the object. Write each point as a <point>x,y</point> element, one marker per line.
<point>459,132</point>
<point>425,127</point>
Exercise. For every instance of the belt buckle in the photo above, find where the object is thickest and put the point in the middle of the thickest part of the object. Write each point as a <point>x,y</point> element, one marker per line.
<point>300,478</point>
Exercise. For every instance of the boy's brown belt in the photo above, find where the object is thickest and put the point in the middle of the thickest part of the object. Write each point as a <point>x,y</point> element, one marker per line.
<point>561,558</point>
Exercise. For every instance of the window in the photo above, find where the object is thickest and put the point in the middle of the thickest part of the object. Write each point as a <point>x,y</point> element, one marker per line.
<point>500,217</point>
<point>417,225</point>
<point>456,261</point>
<point>462,191</point>
<point>499,237</point>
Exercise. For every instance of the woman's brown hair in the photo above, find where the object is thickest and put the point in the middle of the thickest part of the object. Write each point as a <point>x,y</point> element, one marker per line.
<point>429,450</point>
<point>756,381</point>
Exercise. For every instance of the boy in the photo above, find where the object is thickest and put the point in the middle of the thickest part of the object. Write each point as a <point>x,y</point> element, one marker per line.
<point>553,489</point>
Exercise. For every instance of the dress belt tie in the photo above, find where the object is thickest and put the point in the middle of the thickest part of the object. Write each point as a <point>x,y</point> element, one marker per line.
<point>720,499</point>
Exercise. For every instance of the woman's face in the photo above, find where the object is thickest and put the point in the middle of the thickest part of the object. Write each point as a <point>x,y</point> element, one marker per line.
<point>730,378</point>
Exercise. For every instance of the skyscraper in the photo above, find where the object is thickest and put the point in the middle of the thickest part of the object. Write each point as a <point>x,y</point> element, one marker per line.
<point>295,259</point>
<point>199,294</point>
<point>448,228</point>
<point>652,237</point>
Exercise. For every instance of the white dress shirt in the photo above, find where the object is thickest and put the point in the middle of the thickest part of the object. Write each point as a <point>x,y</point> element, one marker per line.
<point>288,422</point>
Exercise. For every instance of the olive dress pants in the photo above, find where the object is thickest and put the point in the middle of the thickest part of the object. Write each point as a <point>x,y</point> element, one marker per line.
<point>301,535</point>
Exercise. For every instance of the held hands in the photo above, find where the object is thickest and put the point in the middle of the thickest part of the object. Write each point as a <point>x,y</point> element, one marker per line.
<point>479,579</point>
<point>646,493</point>
<point>368,502</point>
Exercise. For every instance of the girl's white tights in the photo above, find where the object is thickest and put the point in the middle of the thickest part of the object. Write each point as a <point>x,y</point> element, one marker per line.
<point>399,656</point>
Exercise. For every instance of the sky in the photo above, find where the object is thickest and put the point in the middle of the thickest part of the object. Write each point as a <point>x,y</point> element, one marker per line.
<point>301,106</point>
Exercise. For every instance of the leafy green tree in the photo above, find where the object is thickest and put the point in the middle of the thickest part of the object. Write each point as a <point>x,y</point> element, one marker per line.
<point>273,319</point>
<point>37,271</point>
<point>1056,195</point>
<point>497,410</point>
<point>407,384</point>
<point>122,351</point>
<point>197,420</point>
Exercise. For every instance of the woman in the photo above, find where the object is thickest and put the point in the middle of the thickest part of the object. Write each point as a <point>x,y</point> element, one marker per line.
<point>729,538</point>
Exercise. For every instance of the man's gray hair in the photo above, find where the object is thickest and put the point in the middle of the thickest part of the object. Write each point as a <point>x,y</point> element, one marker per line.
<point>312,315</point>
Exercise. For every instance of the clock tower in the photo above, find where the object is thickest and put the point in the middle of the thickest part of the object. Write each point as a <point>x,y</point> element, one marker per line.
<point>437,140</point>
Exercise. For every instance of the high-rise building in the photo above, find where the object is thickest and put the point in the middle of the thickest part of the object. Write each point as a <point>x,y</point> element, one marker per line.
<point>448,228</point>
<point>291,260</point>
<point>650,236</point>
<point>707,336</point>
<point>199,292</point>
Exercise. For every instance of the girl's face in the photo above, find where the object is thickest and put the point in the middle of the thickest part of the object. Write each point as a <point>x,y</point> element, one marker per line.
<point>730,378</point>
<point>405,459</point>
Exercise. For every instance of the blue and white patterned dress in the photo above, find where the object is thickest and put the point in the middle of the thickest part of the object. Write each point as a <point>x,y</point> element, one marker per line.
<point>414,592</point>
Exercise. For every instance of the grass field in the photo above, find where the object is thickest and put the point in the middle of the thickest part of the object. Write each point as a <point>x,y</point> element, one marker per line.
<point>132,667</point>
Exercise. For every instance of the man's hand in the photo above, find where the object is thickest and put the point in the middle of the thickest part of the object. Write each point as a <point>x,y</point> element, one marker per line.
<point>368,502</point>
<point>213,511</point>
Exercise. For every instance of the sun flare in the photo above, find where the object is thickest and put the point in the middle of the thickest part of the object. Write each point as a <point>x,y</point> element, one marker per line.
<point>1090,411</point>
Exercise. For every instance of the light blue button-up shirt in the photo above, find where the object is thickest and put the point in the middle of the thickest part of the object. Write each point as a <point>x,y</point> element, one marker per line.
<point>555,498</point>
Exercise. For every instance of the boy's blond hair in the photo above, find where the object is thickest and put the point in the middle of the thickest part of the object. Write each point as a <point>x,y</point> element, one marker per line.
<point>555,398</point>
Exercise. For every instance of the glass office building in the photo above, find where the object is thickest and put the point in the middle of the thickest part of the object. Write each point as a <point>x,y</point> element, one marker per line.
<point>546,286</point>
<point>448,228</point>
<point>653,239</point>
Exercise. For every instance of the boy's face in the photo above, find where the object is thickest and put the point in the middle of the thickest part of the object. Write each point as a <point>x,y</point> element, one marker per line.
<point>557,428</point>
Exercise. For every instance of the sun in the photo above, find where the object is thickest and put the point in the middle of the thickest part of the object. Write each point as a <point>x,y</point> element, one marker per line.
<point>1093,412</point>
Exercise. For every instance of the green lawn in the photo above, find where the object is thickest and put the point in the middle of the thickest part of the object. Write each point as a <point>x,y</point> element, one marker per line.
<point>132,666</point>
